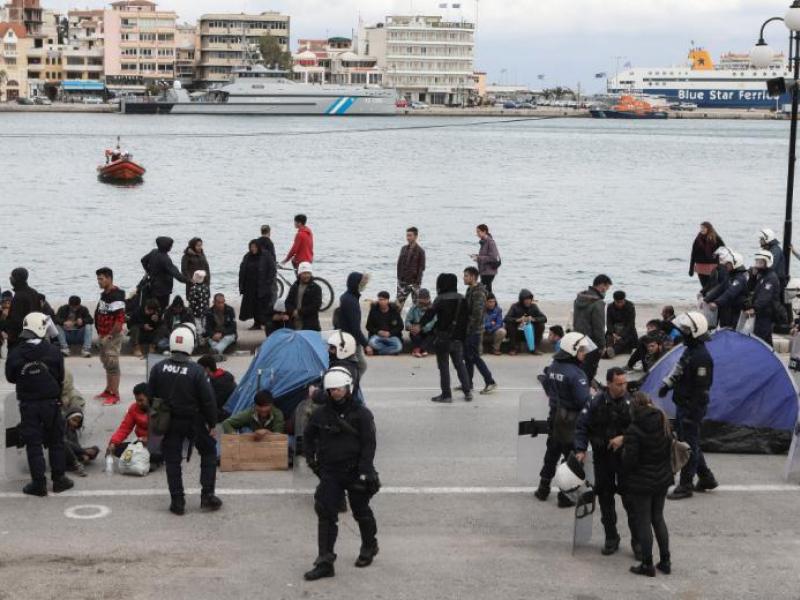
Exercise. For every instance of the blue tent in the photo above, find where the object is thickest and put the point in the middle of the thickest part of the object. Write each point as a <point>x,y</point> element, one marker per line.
<point>754,403</point>
<point>287,362</point>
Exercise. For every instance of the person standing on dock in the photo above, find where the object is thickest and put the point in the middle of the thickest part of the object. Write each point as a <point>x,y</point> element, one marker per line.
<point>161,271</point>
<point>589,318</point>
<point>488,258</point>
<point>410,268</point>
<point>303,248</point>
<point>704,259</point>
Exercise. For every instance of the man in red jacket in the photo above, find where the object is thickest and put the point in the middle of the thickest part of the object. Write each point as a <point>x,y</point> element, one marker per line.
<point>303,248</point>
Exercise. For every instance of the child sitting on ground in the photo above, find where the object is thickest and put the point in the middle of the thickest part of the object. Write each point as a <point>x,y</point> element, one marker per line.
<point>77,456</point>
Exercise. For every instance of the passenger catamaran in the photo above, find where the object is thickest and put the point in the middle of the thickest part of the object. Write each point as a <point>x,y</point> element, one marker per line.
<point>257,90</point>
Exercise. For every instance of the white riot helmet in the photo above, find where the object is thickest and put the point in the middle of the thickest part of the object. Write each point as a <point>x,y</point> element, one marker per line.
<point>766,236</point>
<point>725,255</point>
<point>573,342</point>
<point>692,324</point>
<point>35,326</point>
<point>182,339</point>
<point>337,377</point>
<point>344,343</point>
<point>570,475</point>
<point>738,260</point>
<point>766,256</point>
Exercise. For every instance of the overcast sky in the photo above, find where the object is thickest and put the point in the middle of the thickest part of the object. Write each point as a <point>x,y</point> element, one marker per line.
<point>567,41</point>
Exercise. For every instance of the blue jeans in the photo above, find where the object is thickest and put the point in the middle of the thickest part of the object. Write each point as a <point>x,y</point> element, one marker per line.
<point>472,358</point>
<point>687,426</point>
<point>222,345</point>
<point>75,337</point>
<point>386,346</point>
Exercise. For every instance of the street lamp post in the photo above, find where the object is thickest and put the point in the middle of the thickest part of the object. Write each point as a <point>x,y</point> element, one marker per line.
<point>761,56</point>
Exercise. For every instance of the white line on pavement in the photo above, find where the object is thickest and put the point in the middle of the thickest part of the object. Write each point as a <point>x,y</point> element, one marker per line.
<point>393,491</point>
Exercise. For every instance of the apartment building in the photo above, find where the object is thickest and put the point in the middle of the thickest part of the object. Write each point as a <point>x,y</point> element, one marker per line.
<point>14,46</point>
<point>83,49</point>
<point>333,61</point>
<point>187,42</point>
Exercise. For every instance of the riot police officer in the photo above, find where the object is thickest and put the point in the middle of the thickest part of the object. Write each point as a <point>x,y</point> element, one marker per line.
<point>193,416</point>
<point>690,382</point>
<point>37,369</point>
<point>339,445</point>
<point>603,422</point>
<point>766,299</point>
<point>567,388</point>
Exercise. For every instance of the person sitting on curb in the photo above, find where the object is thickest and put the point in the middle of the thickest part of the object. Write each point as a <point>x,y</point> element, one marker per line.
<point>420,336</point>
<point>620,326</point>
<point>220,327</point>
<point>520,314</point>
<point>281,318</point>
<point>222,382</point>
<point>74,327</point>
<point>146,327</point>
<point>176,313</point>
<point>77,456</point>
<point>493,324</point>
<point>554,336</point>
<point>385,327</point>
<point>136,421</point>
<point>262,418</point>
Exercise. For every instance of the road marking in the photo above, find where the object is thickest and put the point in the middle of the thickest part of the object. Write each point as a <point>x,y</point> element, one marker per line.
<point>436,389</point>
<point>87,511</point>
<point>391,491</point>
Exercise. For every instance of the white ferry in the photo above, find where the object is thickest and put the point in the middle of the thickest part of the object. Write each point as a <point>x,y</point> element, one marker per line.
<point>257,90</point>
<point>733,83</point>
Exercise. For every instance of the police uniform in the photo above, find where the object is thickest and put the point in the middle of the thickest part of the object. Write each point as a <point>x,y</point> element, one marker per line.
<point>601,420</point>
<point>731,300</point>
<point>193,413</point>
<point>37,368</point>
<point>339,445</point>
<point>567,388</point>
<point>691,381</point>
<point>766,295</point>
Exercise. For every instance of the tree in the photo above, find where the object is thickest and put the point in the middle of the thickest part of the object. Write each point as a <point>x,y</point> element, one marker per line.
<point>273,55</point>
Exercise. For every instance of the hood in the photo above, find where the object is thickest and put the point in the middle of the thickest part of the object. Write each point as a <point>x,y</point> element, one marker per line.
<point>353,281</point>
<point>446,282</point>
<point>525,294</point>
<point>164,244</point>
<point>563,356</point>
<point>177,302</point>
<point>587,298</point>
<point>648,419</point>
<point>73,412</point>
<point>19,276</point>
<point>190,246</point>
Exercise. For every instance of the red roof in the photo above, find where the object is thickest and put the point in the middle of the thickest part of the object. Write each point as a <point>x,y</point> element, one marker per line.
<point>18,28</point>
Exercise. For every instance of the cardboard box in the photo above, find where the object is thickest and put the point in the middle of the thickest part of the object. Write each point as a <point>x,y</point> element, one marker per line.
<point>243,453</point>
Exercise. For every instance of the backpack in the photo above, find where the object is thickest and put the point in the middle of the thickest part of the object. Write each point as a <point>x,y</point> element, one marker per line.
<point>680,452</point>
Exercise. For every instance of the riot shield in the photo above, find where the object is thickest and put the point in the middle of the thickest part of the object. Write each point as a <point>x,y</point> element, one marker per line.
<point>15,461</point>
<point>302,476</point>
<point>531,435</point>
<point>792,469</point>
<point>151,361</point>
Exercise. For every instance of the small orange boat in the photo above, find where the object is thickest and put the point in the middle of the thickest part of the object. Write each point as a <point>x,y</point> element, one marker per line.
<point>120,168</point>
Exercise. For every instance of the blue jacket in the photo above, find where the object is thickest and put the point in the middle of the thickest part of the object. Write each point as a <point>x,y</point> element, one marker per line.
<point>414,317</point>
<point>493,319</point>
<point>566,384</point>
<point>349,319</point>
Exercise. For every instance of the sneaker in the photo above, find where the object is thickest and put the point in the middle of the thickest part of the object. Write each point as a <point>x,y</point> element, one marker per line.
<point>137,352</point>
<point>443,399</point>
<point>111,400</point>
<point>86,354</point>
<point>79,470</point>
<point>424,354</point>
<point>210,502</point>
<point>416,354</point>
<point>102,395</point>
<point>490,387</point>
<point>65,351</point>
<point>680,492</point>
<point>323,569</point>
<point>35,488</point>
<point>62,484</point>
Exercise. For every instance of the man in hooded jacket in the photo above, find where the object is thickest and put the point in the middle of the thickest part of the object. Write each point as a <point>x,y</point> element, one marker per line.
<point>589,318</point>
<point>161,271</point>
<point>25,301</point>
<point>348,316</point>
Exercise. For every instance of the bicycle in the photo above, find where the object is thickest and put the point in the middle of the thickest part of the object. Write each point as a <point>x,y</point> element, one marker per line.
<point>282,284</point>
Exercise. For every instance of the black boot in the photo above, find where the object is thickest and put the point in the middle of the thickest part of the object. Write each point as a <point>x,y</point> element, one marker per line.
<point>637,550</point>
<point>543,491</point>
<point>178,505</point>
<point>210,502</point>
<point>366,555</point>
<point>565,501</point>
<point>644,569</point>
<point>369,544</point>
<point>680,492</point>
<point>62,484</point>
<point>706,483</point>
<point>665,565</point>
<point>321,569</point>
<point>36,488</point>
<point>611,546</point>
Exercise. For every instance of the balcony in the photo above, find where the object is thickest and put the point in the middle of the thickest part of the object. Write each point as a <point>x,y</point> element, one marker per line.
<point>221,62</point>
<point>9,54</point>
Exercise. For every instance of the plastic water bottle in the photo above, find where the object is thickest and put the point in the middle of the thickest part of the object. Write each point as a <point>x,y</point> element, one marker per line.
<point>109,470</point>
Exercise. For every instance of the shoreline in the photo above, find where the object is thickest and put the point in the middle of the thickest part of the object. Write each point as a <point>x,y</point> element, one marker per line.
<point>500,113</point>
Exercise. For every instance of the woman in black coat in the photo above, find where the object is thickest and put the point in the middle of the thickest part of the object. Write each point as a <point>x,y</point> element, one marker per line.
<point>703,260</point>
<point>647,464</point>
<point>194,259</point>
<point>256,277</point>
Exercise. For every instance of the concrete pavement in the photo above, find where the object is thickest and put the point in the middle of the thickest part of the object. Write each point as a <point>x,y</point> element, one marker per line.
<point>455,520</point>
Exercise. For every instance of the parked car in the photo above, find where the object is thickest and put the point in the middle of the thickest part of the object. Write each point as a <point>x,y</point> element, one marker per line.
<point>25,101</point>
<point>93,100</point>
<point>526,105</point>
<point>42,100</point>
<point>510,104</point>
<point>401,103</point>
<point>419,105</point>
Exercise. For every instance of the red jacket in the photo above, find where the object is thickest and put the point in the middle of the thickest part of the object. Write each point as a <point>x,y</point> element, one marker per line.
<point>303,248</point>
<point>134,419</point>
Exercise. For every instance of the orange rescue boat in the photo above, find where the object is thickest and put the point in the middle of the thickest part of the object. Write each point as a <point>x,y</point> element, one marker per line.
<point>120,168</point>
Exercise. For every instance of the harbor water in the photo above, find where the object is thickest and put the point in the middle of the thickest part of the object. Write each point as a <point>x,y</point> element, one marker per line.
<point>564,198</point>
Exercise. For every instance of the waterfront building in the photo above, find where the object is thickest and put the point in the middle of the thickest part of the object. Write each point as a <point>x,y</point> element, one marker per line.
<point>14,46</point>
<point>83,50</point>
<point>27,13</point>
<point>227,41</point>
<point>45,57</point>
<point>426,58</point>
<point>333,61</point>
<point>139,48</point>
<point>187,42</point>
